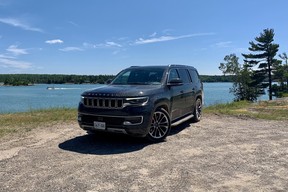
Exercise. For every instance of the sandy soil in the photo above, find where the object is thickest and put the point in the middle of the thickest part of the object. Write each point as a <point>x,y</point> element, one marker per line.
<point>217,154</point>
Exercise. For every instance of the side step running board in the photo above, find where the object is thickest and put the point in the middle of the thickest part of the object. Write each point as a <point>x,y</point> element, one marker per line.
<point>182,120</point>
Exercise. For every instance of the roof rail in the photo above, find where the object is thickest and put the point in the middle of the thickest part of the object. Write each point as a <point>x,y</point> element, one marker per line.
<point>179,65</point>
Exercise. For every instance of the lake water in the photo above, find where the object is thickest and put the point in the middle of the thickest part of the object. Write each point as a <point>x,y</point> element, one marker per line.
<point>26,98</point>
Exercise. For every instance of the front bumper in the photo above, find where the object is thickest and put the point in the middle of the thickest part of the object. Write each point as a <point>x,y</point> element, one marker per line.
<point>133,121</point>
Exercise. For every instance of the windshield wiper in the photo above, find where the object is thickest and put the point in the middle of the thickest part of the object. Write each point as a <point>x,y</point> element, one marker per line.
<point>154,83</point>
<point>137,83</point>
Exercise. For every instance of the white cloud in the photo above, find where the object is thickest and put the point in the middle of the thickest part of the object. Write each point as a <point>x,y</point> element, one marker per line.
<point>9,60</point>
<point>67,49</point>
<point>73,23</point>
<point>54,41</point>
<point>6,56</point>
<point>142,41</point>
<point>10,63</point>
<point>89,45</point>
<point>16,51</point>
<point>112,44</point>
<point>223,44</point>
<point>108,44</point>
<point>18,23</point>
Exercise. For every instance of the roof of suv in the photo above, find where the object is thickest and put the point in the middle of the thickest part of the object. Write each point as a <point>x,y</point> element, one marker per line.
<point>164,66</point>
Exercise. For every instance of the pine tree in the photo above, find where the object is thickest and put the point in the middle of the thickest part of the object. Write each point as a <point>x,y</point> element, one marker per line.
<point>243,85</point>
<point>264,51</point>
<point>281,75</point>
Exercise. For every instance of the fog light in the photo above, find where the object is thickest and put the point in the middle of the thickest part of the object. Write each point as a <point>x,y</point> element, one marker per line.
<point>133,120</point>
<point>127,123</point>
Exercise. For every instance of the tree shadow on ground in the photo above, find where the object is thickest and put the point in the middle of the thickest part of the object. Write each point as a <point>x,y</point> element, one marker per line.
<point>108,144</point>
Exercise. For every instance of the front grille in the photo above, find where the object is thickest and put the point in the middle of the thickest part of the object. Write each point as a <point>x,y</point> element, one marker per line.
<point>98,102</point>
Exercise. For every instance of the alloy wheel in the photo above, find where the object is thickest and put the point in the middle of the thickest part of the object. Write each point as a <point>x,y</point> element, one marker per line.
<point>160,125</point>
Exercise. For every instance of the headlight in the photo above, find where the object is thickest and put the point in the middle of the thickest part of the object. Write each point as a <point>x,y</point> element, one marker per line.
<point>82,99</point>
<point>136,101</point>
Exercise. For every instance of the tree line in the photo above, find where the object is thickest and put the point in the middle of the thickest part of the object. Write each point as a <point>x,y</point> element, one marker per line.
<point>261,69</point>
<point>30,79</point>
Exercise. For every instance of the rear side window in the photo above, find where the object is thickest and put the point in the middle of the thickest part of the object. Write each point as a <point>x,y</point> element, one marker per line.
<point>184,75</point>
<point>194,76</point>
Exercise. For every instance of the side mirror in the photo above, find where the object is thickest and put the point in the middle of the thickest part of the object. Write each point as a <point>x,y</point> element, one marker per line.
<point>175,82</point>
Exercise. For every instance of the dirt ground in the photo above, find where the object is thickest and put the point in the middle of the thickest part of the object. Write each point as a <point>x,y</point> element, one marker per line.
<point>220,153</point>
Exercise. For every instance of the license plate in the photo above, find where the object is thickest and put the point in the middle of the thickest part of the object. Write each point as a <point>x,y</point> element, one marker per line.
<point>99,125</point>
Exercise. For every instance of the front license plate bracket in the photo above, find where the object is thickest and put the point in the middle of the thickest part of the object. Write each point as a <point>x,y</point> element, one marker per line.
<point>99,125</point>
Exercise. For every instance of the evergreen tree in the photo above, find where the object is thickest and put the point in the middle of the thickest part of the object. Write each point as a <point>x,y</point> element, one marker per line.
<point>231,66</point>
<point>243,85</point>
<point>243,88</point>
<point>264,51</point>
<point>281,75</point>
<point>284,68</point>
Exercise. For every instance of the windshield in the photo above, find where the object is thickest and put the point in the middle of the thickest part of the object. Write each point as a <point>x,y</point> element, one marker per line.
<point>139,76</point>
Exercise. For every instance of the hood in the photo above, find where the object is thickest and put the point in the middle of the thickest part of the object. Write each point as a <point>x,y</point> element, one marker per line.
<point>123,90</point>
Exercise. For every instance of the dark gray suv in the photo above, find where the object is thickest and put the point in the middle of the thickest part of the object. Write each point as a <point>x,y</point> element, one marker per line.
<point>143,101</point>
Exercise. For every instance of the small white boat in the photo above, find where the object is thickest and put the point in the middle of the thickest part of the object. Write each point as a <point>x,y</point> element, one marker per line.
<point>51,88</point>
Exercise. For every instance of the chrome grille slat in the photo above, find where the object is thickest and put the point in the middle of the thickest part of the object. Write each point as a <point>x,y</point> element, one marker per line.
<point>98,102</point>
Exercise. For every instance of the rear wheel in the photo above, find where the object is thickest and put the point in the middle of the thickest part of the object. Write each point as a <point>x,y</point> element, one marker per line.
<point>197,110</point>
<point>160,126</point>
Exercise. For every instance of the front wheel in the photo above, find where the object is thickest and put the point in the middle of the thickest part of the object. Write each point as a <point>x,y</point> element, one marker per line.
<point>197,110</point>
<point>160,126</point>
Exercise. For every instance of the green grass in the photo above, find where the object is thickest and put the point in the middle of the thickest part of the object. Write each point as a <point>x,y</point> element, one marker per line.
<point>23,122</point>
<point>270,110</point>
<point>285,95</point>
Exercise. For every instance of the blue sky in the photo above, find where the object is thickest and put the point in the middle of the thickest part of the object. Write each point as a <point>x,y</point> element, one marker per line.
<point>93,37</point>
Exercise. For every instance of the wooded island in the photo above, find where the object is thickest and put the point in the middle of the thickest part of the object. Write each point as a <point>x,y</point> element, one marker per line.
<point>30,79</point>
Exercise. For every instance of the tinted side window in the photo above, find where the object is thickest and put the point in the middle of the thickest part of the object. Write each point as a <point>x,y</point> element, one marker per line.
<point>194,75</point>
<point>184,76</point>
<point>173,74</point>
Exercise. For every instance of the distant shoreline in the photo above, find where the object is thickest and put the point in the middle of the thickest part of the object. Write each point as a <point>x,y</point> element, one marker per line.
<point>30,79</point>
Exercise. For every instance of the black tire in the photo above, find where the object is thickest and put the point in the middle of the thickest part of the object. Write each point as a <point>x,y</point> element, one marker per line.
<point>197,110</point>
<point>160,126</point>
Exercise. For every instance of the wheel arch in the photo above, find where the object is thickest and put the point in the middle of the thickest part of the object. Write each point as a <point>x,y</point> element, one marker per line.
<point>201,96</point>
<point>164,104</point>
